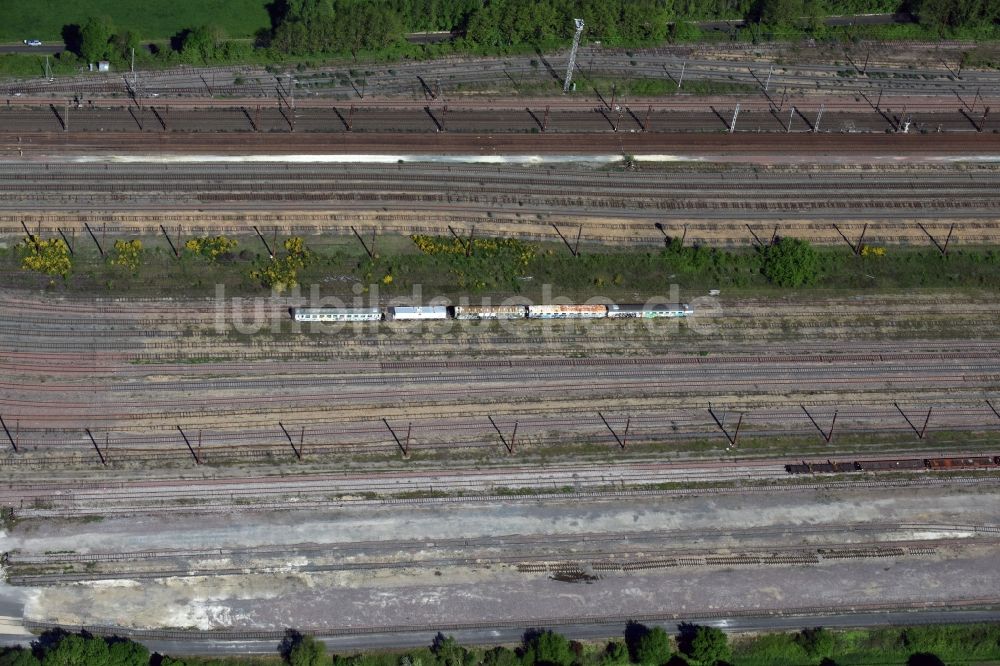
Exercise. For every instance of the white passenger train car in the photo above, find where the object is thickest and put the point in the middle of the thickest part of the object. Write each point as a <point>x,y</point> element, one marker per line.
<point>467,312</point>
<point>648,312</point>
<point>421,312</point>
<point>337,314</point>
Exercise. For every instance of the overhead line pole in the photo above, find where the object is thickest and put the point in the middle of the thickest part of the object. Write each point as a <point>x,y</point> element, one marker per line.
<point>578,24</point>
<point>13,443</point>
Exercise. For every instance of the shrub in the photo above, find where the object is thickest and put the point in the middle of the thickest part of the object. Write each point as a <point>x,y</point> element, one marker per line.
<point>705,645</point>
<point>50,257</point>
<point>480,263</point>
<point>501,656</point>
<point>547,647</point>
<point>18,656</point>
<point>614,654</point>
<point>127,254</point>
<point>654,647</point>
<point>817,643</point>
<point>790,262</point>
<point>448,652</point>
<point>210,247</point>
<point>281,273</point>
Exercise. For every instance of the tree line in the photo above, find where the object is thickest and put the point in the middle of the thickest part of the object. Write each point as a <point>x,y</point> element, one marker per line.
<point>318,27</point>
<point>692,645</point>
<point>313,26</point>
<point>697,646</point>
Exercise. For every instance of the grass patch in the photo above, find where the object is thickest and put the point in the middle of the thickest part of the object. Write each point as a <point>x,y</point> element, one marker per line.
<point>540,85</point>
<point>29,65</point>
<point>647,87</point>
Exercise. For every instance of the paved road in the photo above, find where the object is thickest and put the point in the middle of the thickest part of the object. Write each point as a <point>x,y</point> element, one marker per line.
<point>831,21</point>
<point>44,49</point>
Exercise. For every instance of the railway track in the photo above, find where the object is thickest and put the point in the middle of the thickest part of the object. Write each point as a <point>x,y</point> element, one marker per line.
<point>710,118</point>
<point>807,613</point>
<point>449,77</point>
<point>133,504</point>
<point>601,561</point>
<point>300,362</point>
<point>537,430</point>
<point>609,541</point>
<point>177,346</point>
<point>623,208</point>
<point>794,147</point>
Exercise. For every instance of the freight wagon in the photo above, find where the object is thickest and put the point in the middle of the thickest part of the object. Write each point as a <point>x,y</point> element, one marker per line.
<point>891,465</point>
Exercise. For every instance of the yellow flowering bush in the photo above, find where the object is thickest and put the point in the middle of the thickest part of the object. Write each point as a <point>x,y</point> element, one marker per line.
<point>872,251</point>
<point>210,247</point>
<point>512,248</point>
<point>50,257</point>
<point>127,254</point>
<point>490,263</point>
<point>282,273</point>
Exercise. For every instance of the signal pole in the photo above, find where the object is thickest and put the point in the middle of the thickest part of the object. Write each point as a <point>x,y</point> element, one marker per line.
<point>572,54</point>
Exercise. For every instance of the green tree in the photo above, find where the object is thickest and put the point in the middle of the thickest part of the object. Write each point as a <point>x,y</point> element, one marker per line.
<point>77,650</point>
<point>95,38</point>
<point>705,645</point>
<point>817,643</point>
<point>546,648</point>
<point>202,44</point>
<point>654,647</point>
<point>777,12</point>
<point>790,262</point>
<point>643,21</point>
<point>122,44</point>
<point>448,652</point>
<point>685,31</point>
<point>602,19</point>
<point>615,654</point>
<point>945,14</point>
<point>18,656</point>
<point>126,652</point>
<point>367,26</point>
<point>501,656</point>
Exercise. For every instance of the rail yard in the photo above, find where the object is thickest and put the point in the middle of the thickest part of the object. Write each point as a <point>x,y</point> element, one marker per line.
<point>465,414</point>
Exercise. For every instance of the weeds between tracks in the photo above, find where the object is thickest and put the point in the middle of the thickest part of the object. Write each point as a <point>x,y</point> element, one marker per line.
<point>611,273</point>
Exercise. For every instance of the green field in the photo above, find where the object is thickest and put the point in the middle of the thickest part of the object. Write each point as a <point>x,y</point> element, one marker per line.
<point>151,19</point>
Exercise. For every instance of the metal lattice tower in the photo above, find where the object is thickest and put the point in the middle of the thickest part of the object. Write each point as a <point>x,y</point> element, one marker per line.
<point>572,54</point>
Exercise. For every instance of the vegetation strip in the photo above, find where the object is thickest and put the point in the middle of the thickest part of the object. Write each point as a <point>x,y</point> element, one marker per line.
<point>642,642</point>
<point>452,267</point>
